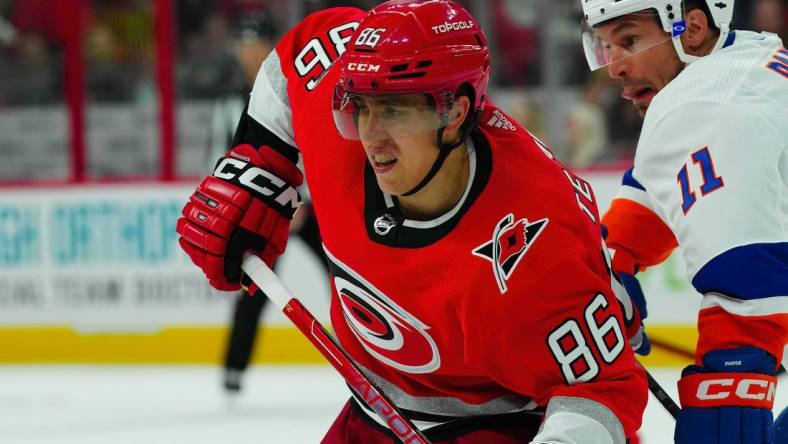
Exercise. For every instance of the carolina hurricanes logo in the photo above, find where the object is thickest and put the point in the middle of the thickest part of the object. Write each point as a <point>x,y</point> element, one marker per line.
<point>387,332</point>
<point>509,243</point>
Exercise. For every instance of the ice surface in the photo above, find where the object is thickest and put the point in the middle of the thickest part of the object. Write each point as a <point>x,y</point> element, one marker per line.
<point>184,404</point>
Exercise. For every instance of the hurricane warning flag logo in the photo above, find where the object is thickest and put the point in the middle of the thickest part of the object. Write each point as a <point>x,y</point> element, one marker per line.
<point>511,239</point>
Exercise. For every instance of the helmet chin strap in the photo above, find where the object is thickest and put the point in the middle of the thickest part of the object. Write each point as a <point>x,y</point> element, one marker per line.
<point>446,149</point>
<point>687,58</point>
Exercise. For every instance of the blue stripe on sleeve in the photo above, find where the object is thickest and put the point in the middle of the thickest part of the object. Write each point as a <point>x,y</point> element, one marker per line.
<point>748,272</point>
<point>729,41</point>
<point>630,181</point>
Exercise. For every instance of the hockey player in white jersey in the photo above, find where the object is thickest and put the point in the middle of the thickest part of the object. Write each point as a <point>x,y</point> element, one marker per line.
<point>711,177</point>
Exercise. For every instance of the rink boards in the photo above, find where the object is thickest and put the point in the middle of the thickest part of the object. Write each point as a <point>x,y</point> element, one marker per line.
<point>93,273</point>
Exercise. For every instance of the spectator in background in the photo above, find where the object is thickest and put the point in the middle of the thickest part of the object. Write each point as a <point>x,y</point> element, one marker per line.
<point>31,68</point>
<point>253,42</point>
<point>771,16</point>
<point>42,17</point>
<point>623,124</point>
<point>517,36</point>
<point>7,33</point>
<point>31,72</point>
<point>208,66</point>
<point>107,79</point>
<point>41,70</point>
<point>523,108</point>
<point>586,128</point>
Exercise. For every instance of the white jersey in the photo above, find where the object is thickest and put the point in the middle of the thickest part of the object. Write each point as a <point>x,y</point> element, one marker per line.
<point>713,162</point>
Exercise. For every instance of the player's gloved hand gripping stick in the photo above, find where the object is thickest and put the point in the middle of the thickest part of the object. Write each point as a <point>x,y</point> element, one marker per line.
<point>265,280</point>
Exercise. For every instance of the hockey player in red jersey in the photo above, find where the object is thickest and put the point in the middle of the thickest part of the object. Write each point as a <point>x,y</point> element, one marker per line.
<point>470,281</point>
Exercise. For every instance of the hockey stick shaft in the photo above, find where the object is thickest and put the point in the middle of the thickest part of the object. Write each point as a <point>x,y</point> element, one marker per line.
<point>656,342</point>
<point>325,343</point>
<point>662,396</point>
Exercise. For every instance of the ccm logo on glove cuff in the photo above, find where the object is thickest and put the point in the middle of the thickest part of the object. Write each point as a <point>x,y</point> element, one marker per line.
<point>727,389</point>
<point>265,185</point>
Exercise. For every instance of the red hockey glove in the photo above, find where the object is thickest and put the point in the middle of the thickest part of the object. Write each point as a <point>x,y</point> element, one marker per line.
<point>246,205</point>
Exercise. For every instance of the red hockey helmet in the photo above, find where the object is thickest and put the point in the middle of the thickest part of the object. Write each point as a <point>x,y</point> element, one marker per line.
<point>412,47</point>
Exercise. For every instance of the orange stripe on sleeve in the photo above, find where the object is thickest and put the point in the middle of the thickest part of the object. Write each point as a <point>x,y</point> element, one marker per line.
<point>638,236</point>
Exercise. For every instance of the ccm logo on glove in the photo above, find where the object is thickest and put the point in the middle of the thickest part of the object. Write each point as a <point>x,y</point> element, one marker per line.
<point>261,181</point>
<point>245,206</point>
<point>727,389</point>
<point>744,390</point>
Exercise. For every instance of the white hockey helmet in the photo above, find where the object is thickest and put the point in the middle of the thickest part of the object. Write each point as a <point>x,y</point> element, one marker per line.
<point>671,15</point>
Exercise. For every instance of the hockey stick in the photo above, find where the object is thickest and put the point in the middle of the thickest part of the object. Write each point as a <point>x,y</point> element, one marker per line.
<point>672,348</point>
<point>662,396</point>
<point>325,343</point>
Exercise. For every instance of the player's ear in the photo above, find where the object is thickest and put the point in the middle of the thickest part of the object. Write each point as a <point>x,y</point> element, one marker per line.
<point>458,113</point>
<point>698,33</point>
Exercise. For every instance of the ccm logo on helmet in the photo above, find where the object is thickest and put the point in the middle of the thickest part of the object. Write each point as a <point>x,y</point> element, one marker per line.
<point>754,389</point>
<point>270,187</point>
<point>452,26</point>
<point>363,67</point>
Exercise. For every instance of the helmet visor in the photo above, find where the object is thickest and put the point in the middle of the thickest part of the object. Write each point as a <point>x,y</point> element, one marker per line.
<point>371,117</point>
<point>619,40</point>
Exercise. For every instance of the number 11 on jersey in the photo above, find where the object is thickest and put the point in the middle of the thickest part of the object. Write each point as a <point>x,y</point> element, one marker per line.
<point>711,181</point>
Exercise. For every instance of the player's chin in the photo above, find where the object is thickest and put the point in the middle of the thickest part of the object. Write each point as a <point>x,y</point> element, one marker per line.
<point>643,101</point>
<point>389,186</point>
<point>641,107</point>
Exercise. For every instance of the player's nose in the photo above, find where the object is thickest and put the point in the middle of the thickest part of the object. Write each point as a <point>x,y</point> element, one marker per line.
<point>619,63</point>
<point>371,127</point>
<point>618,69</point>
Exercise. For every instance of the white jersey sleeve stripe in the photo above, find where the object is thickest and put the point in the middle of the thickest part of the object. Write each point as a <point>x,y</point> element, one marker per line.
<point>755,307</point>
<point>269,104</point>
<point>579,420</point>
<point>634,194</point>
<point>631,189</point>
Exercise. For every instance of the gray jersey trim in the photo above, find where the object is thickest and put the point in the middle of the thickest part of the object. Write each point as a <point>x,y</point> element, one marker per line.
<point>448,406</point>
<point>591,409</point>
<point>269,104</point>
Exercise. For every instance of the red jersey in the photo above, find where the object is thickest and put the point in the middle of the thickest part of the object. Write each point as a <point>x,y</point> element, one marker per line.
<point>501,305</point>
